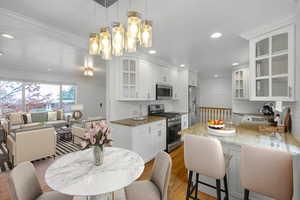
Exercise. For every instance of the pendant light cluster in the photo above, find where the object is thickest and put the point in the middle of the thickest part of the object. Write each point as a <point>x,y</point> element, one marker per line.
<point>88,69</point>
<point>118,39</point>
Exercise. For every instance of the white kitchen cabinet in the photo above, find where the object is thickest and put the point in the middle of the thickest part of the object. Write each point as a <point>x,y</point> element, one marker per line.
<point>240,78</point>
<point>143,142</point>
<point>174,79</point>
<point>147,140</point>
<point>128,88</point>
<point>272,65</point>
<point>159,133</point>
<point>164,75</point>
<point>193,78</point>
<point>146,86</point>
<point>184,121</point>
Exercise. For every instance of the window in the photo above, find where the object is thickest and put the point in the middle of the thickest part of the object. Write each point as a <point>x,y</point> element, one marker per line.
<point>42,97</point>
<point>10,96</point>
<point>38,97</point>
<point>68,97</point>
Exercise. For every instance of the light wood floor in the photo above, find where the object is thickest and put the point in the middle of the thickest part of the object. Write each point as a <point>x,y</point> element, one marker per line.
<point>177,188</point>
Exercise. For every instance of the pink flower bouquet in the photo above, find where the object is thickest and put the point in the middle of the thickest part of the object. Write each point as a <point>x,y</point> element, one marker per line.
<point>98,135</point>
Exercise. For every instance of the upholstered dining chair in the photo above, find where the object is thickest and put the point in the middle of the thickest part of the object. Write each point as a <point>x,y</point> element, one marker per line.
<point>24,185</point>
<point>204,156</point>
<point>266,171</point>
<point>157,187</point>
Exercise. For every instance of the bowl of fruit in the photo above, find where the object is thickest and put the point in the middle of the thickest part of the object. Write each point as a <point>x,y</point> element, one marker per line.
<point>216,124</point>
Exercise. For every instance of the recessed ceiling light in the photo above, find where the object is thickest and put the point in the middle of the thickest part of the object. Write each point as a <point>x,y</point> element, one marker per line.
<point>235,64</point>
<point>216,35</point>
<point>1,53</point>
<point>216,76</point>
<point>152,52</point>
<point>49,69</point>
<point>182,65</point>
<point>5,35</point>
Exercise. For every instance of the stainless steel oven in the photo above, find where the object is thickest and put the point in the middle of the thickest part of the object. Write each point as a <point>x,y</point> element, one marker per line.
<point>164,92</point>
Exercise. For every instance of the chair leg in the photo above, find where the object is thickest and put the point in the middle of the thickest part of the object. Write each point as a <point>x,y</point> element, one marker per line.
<point>189,185</point>
<point>246,194</point>
<point>197,180</point>
<point>226,188</point>
<point>218,189</point>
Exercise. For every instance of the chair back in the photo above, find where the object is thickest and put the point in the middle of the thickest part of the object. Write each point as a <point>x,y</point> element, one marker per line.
<point>23,182</point>
<point>161,173</point>
<point>267,171</point>
<point>205,156</point>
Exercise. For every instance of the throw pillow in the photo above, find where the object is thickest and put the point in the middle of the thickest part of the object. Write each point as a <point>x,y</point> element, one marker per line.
<point>29,120</point>
<point>52,116</point>
<point>60,115</point>
<point>16,118</point>
<point>25,118</point>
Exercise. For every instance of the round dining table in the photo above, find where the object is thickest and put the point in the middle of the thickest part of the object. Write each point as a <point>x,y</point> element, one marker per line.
<point>75,174</point>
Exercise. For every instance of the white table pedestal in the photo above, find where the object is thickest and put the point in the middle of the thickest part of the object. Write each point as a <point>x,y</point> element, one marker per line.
<point>118,195</point>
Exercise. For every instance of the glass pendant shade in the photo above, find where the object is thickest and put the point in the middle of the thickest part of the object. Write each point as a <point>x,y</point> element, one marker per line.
<point>118,40</point>
<point>105,43</point>
<point>88,71</point>
<point>134,24</point>
<point>94,45</point>
<point>131,43</point>
<point>146,35</point>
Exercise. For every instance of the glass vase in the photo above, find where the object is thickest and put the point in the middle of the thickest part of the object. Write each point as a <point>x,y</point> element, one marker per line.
<point>98,155</point>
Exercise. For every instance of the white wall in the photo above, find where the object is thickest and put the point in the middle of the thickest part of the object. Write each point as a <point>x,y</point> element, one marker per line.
<point>296,110</point>
<point>90,91</point>
<point>215,92</point>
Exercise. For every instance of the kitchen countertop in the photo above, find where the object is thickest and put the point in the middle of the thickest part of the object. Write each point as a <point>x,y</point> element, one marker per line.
<point>249,134</point>
<point>183,113</point>
<point>131,122</point>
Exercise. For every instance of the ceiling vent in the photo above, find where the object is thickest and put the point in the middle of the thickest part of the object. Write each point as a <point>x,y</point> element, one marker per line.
<point>108,2</point>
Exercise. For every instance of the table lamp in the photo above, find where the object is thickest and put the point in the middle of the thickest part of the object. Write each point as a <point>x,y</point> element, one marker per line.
<point>77,108</point>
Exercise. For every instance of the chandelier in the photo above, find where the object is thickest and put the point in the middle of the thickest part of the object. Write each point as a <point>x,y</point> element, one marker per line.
<point>88,71</point>
<point>115,40</point>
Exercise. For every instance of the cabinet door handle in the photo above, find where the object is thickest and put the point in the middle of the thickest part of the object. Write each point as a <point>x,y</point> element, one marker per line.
<point>159,133</point>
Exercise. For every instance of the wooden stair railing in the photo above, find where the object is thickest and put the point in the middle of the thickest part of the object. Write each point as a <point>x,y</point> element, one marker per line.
<point>213,113</point>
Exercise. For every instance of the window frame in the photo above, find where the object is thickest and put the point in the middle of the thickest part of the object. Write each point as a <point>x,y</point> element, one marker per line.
<point>24,82</point>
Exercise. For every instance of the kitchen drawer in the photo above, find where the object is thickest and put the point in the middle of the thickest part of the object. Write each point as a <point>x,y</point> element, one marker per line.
<point>158,125</point>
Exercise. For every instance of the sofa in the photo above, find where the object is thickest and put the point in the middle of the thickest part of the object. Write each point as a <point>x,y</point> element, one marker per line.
<point>22,120</point>
<point>31,144</point>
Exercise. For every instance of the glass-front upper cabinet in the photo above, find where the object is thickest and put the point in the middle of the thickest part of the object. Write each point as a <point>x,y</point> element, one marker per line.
<point>240,83</point>
<point>272,63</point>
<point>128,78</point>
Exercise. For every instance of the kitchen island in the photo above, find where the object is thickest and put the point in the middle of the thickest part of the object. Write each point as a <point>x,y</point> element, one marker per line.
<point>248,134</point>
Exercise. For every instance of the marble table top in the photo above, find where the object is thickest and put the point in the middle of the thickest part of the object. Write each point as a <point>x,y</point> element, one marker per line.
<point>75,173</point>
<point>250,136</point>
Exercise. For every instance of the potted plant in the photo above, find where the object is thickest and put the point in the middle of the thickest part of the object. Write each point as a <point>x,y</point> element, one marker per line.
<point>97,137</point>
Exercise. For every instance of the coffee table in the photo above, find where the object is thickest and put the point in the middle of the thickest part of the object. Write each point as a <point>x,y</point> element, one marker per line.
<point>64,133</point>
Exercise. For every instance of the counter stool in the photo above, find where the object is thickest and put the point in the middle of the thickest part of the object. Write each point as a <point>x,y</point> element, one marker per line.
<point>204,156</point>
<point>267,172</point>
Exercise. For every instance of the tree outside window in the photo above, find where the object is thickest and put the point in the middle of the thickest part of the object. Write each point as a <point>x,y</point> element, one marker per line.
<point>10,96</point>
<point>42,97</point>
<point>68,96</point>
<point>39,97</point>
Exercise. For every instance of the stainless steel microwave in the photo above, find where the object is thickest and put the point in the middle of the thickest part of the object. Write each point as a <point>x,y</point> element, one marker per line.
<point>164,92</point>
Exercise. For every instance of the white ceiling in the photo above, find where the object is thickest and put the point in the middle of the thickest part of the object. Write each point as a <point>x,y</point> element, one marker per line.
<point>54,34</point>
